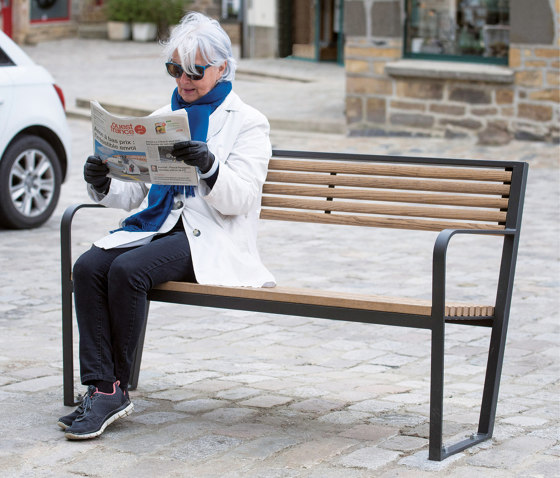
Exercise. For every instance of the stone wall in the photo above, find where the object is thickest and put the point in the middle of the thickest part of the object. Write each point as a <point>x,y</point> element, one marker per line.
<point>388,95</point>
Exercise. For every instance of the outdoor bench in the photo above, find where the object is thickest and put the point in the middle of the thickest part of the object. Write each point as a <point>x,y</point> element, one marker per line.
<point>449,196</point>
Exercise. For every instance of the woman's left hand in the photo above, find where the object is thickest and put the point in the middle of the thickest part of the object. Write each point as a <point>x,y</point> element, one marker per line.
<point>194,153</point>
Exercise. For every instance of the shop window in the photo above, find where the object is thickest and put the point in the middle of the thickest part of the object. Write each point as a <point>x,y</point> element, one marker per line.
<point>49,10</point>
<point>463,30</point>
<point>231,9</point>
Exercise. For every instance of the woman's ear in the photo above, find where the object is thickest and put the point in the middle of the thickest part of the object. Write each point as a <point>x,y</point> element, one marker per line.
<point>222,68</point>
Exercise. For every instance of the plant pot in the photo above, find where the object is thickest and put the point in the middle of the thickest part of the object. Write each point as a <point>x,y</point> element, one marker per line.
<point>144,31</point>
<point>118,31</point>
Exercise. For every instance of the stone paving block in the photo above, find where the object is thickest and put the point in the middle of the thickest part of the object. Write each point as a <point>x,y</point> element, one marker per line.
<point>374,406</point>
<point>344,417</point>
<point>238,393</point>
<point>511,452</point>
<point>312,453</point>
<point>266,401</point>
<point>201,405</point>
<point>183,379</point>
<point>264,447</point>
<point>246,429</point>
<point>33,385</point>
<point>537,466</point>
<point>157,418</point>
<point>404,443</point>
<point>420,461</point>
<point>371,458</point>
<point>525,421</point>
<point>370,433</point>
<point>247,378</point>
<point>229,415</point>
<point>193,451</point>
<point>334,472</point>
<point>316,405</point>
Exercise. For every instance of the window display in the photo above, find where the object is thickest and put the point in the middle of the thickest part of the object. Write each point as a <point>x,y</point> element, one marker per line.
<point>473,30</point>
<point>47,10</point>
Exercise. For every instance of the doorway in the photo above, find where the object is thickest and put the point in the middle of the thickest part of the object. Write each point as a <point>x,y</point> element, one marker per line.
<point>312,30</point>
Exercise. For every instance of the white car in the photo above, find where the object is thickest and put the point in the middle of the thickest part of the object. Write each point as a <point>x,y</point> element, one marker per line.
<point>34,140</point>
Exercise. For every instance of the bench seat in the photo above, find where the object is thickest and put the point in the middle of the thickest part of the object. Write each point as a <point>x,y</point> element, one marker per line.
<point>331,299</point>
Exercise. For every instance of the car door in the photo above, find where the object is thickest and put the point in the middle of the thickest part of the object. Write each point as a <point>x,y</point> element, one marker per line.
<point>6,97</point>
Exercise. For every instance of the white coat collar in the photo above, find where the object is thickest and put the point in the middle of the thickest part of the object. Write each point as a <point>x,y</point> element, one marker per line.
<point>231,103</point>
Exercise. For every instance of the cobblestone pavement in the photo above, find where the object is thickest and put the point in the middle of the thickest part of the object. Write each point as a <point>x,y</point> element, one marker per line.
<point>234,394</point>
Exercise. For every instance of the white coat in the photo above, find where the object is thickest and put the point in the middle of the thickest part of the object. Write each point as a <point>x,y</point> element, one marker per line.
<point>221,223</point>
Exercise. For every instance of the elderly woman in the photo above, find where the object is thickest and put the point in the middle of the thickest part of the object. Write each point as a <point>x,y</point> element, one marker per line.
<point>204,233</point>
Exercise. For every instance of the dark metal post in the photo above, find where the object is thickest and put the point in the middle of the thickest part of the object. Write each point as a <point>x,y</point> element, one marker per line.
<point>438,347</point>
<point>135,369</point>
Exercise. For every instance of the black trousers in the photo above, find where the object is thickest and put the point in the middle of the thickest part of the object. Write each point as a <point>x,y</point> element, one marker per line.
<point>110,293</point>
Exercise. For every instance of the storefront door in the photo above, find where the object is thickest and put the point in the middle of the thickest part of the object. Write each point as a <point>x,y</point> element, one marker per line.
<point>312,29</point>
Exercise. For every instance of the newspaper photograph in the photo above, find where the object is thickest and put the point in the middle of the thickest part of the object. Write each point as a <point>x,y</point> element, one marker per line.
<point>139,149</point>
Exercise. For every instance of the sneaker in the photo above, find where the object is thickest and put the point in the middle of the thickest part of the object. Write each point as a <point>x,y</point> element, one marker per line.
<point>67,420</point>
<point>99,411</point>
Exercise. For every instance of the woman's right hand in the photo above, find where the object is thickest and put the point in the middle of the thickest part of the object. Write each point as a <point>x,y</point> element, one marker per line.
<point>95,173</point>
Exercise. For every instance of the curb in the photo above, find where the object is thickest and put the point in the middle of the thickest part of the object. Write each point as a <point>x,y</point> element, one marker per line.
<point>82,111</point>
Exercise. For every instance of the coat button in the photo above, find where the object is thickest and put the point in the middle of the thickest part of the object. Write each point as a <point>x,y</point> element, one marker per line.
<point>178,205</point>
<point>196,232</point>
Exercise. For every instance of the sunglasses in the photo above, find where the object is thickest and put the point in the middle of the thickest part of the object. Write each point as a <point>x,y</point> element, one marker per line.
<point>176,71</point>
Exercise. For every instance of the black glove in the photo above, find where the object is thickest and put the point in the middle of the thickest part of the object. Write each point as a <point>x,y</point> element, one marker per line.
<point>194,153</point>
<point>95,173</point>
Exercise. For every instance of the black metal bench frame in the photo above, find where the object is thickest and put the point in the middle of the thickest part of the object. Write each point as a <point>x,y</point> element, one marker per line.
<point>435,322</point>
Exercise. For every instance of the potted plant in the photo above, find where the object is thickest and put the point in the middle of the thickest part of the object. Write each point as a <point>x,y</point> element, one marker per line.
<point>119,17</point>
<point>169,15</point>
<point>145,19</point>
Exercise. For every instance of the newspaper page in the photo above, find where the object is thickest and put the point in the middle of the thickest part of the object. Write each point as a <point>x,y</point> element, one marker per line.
<point>139,149</point>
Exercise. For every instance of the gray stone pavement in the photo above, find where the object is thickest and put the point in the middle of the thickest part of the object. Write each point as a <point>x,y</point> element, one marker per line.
<point>235,394</point>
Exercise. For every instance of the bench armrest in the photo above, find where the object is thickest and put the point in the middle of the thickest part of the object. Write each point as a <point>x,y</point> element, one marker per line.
<point>66,238</point>
<point>439,262</point>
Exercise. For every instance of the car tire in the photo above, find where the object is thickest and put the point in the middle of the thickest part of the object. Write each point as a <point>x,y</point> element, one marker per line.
<point>30,180</point>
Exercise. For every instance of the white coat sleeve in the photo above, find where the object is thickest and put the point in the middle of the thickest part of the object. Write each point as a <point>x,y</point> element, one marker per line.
<point>242,174</point>
<point>122,195</point>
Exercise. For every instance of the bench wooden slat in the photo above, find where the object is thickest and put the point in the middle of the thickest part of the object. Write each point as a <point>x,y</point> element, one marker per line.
<point>389,183</point>
<point>357,220</point>
<point>388,196</point>
<point>392,210</point>
<point>442,172</point>
<point>331,299</point>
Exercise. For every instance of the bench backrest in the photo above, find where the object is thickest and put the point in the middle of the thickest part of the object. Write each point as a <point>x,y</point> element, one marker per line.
<point>393,192</point>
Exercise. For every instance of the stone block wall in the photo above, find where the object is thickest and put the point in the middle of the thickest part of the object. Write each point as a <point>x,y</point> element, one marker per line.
<point>536,103</point>
<point>388,95</point>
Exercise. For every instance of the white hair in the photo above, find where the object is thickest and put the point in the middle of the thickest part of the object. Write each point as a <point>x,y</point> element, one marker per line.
<point>198,33</point>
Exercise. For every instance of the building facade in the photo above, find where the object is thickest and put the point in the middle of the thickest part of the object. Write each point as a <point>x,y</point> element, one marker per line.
<point>453,68</point>
<point>483,68</point>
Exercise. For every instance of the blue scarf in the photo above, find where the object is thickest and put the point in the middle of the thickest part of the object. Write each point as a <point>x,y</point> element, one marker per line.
<point>160,198</point>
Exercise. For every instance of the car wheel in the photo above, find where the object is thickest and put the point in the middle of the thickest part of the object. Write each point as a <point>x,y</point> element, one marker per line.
<point>30,179</point>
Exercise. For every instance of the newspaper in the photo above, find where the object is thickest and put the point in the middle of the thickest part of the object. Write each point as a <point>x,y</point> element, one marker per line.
<point>139,149</point>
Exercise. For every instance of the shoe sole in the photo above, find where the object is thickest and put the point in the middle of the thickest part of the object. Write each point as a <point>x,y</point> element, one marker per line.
<point>62,425</point>
<point>120,414</point>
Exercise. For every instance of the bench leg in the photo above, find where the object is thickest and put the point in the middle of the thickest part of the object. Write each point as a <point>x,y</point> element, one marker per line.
<point>67,345</point>
<point>492,380</point>
<point>498,338</point>
<point>135,369</point>
<point>436,393</point>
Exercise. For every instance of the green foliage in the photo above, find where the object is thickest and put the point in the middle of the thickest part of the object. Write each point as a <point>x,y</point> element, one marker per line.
<point>173,11</point>
<point>162,12</point>
<point>119,10</point>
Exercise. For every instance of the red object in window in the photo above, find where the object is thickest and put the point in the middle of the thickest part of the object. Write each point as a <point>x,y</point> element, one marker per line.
<point>7,17</point>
